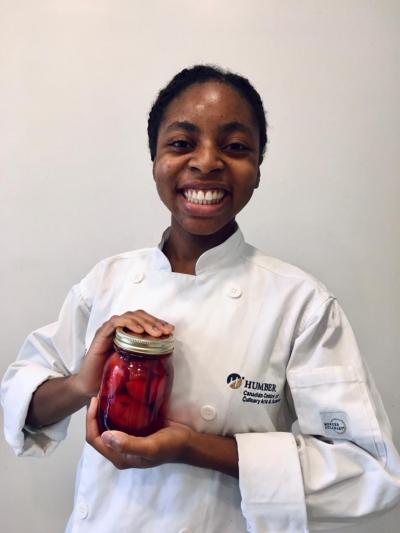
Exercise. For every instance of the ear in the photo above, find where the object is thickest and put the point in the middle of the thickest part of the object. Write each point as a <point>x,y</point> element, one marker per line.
<point>258,178</point>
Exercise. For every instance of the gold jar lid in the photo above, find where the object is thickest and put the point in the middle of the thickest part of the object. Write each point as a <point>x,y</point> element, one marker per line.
<point>143,343</point>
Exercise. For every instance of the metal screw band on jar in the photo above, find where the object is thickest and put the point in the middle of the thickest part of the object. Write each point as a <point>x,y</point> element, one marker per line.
<point>144,344</point>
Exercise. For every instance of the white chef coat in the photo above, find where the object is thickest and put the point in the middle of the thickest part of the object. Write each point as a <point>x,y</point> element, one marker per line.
<point>263,352</point>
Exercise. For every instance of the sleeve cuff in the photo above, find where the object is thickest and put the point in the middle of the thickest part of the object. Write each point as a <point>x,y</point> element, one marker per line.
<point>271,483</point>
<point>23,439</point>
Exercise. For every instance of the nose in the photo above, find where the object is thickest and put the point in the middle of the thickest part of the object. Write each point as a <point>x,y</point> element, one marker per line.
<point>206,159</point>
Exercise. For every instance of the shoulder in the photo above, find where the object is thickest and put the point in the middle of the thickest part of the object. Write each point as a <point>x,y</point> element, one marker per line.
<point>125,259</point>
<point>278,268</point>
<point>109,271</point>
<point>285,275</point>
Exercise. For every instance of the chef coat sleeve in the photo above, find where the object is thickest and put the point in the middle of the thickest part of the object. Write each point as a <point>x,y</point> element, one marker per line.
<point>53,351</point>
<point>338,462</point>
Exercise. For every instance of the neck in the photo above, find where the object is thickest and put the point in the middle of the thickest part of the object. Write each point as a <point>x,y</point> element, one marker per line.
<point>183,249</point>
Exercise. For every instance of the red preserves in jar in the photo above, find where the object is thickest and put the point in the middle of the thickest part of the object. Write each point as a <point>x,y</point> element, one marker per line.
<point>136,384</point>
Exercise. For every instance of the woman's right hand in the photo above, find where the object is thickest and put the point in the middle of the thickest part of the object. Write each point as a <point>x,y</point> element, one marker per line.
<point>58,398</point>
<point>88,379</point>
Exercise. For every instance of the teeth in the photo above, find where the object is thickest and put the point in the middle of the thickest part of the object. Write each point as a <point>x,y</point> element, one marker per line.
<point>203,197</point>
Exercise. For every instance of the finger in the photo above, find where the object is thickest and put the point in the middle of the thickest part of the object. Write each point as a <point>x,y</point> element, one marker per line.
<point>161,325</point>
<point>127,320</point>
<point>150,324</point>
<point>94,438</point>
<point>92,426</point>
<point>151,319</point>
<point>139,447</point>
<point>134,322</point>
<point>114,445</point>
<point>137,321</point>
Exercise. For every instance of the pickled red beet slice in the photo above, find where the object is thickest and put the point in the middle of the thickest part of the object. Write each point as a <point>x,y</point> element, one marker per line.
<point>128,414</point>
<point>158,387</point>
<point>138,389</point>
<point>138,371</point>
<point>115,380</point>
<point>158,368</point>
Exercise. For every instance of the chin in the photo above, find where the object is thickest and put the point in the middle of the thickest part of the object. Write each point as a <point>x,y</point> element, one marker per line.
<point>206,229</point>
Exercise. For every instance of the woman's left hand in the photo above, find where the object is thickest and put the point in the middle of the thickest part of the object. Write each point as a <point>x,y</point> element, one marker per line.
<point>167,445</point>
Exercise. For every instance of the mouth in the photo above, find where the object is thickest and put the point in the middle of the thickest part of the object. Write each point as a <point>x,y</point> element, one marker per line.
<point>204,196</point>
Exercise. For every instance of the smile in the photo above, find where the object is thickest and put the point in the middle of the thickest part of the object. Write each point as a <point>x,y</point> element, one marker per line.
<point>208,197</point>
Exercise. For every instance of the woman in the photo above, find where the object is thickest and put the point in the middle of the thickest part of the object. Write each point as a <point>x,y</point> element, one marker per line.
<point>275,424</point>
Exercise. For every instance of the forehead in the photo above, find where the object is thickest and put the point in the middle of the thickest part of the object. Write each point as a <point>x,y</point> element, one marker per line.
<point>209,103</point>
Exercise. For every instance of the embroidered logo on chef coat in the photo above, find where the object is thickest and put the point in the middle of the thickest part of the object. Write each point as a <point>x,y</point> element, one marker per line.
<point>255,392</point>
<point>335,424</point>
<point>234,381</point>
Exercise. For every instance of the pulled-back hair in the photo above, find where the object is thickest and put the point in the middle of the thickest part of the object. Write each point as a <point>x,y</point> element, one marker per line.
<point>201,74</point>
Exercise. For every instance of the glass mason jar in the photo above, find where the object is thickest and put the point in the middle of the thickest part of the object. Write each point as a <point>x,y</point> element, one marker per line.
<point>136,384</point>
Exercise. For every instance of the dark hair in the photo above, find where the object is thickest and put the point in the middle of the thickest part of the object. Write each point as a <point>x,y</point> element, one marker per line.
<point>201,74</point>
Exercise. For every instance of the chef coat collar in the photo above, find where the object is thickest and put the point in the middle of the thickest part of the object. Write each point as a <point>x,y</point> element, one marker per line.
<point>223,254</point>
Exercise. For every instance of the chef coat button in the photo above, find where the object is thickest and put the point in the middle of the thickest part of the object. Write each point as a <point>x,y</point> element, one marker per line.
<point>208,412</point>
<point>138,277</point>
<point>82,510</point>
<point>234,291</point>
<point>185,530</point>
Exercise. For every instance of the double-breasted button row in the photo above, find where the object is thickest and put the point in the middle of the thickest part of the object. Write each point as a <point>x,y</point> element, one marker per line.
<point>233,291</point>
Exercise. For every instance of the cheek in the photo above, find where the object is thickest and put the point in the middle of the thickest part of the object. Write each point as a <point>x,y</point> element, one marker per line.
<point>163,174</point>
<point>161,170</point>
<point>249,174</point>
<point>247,182</point>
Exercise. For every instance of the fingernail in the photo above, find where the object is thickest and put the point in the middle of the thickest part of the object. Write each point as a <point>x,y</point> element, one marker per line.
<point>109,439</point>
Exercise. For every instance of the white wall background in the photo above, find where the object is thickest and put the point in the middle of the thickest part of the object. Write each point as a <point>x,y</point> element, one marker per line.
<point>77,78</point>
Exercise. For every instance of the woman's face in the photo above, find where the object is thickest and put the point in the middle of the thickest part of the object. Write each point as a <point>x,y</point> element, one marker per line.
<point>207,161</point>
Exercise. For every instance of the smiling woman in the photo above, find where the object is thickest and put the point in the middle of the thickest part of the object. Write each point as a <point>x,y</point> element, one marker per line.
<point>206,166</point>
<point>207,138</point>
<point>272,406</point>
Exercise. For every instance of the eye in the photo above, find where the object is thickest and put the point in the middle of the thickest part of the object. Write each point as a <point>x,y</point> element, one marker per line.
<point>236,147</point>
<point>180,144</point>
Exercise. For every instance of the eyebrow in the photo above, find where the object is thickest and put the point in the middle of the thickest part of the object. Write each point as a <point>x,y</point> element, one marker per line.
<point>226,128</point>
<point>183,125</point>
<point>235,126</point>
